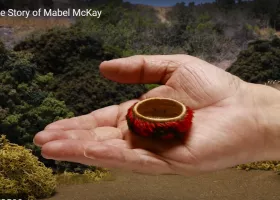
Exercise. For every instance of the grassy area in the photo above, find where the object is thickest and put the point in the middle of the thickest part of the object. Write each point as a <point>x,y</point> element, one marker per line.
<point>69,178</point>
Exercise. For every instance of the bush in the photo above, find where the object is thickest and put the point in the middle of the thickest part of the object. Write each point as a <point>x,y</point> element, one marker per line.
<point>267,166</point>
<point>88,176</point>
<point>3,54</point>
<point>19,63</point>
<point>22,175</point>
<point>58,48</point>
<point>83,89</point>
<point>72,57</point>
<point>55,76</point>
<point>259,63</point>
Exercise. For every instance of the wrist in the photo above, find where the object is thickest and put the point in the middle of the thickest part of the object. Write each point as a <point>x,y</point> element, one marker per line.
<point>267,106</point>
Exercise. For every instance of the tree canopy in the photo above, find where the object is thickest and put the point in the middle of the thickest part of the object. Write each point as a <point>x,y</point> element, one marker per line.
<point>259,63</point>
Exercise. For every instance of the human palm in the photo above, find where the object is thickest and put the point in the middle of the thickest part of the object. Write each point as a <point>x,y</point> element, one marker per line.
<point>224,131</point>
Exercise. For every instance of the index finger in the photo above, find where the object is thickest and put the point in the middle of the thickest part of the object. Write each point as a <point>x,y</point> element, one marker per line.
<point>108,116</point>
<point>143,69</point>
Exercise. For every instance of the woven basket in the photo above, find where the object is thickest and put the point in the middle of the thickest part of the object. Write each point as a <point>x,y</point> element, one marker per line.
<point>163,118</point>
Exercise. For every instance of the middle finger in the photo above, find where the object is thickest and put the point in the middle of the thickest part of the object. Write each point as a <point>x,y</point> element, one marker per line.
<point>97,134</point>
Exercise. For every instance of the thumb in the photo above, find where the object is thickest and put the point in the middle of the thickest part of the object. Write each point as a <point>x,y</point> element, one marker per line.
<point>143,69</point>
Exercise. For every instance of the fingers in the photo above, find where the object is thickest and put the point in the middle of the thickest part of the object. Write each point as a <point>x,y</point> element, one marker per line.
<point>143,69</point>
<point>73,150</point>
<point>176,150</point>
<point>110,154</point>
<point>128,159</point>
<point>108,116</point>
<point>99,126</point>
<point>97,134</point>
<point>103,117</point>
<point>162,91</point>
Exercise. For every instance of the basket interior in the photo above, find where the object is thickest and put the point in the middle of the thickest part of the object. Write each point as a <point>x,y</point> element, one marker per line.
<point>160,108</point>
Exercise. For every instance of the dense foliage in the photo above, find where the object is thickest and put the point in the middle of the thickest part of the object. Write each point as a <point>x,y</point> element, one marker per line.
<point>58,50</point>
<point>54,76</point>
<point>259,63</point>
<point>22,175</point>
<point>26,106</point>
<point>3,54</point>
<point>206,31</point>
<point>73,57</point>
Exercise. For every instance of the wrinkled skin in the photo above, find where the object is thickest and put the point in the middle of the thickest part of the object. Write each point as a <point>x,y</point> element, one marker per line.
<point>225,129</point>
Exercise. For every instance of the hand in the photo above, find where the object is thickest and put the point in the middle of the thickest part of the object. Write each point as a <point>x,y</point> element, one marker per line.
<point>225,129</point>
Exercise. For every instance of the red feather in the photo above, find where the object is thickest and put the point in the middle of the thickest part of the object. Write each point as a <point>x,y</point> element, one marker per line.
<point>162,130</point>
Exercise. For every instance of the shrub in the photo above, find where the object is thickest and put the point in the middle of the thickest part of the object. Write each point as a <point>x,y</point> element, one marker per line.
<point>22,175</point>
<point>259,63</point>
<point>55,50</point>
<point>88,176</point>
<point>26,106</point>
<point>66,81</point>
<point>267,166</point>
<point>71,57</point>
<point>3,54</point>
<point>19,63</point>
<point>83,89</point>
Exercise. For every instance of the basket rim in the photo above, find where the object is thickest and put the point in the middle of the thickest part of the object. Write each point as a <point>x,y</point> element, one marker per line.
<point>151,119</point>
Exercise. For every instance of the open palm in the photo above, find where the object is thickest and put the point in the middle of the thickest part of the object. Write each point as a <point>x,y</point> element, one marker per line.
<point>224,131</point>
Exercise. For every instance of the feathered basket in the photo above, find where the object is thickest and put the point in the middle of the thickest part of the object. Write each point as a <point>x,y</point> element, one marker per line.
<point>161,118</point>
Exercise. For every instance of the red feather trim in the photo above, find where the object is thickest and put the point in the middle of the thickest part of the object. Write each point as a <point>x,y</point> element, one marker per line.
<point>163,130</point>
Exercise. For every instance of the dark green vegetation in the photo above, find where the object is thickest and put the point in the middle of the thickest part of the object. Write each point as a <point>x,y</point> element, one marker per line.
<point>259,63</point>
<point>26,106</point>
<point>54,76</point>
<point>213,31</point>
<point>73,57</point>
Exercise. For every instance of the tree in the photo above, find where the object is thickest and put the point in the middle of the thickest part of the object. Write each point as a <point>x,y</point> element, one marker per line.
<point>57,48</point>
<point>275,18</point>
<point>73,56</point>
<point>265,7</point>
<point>225,3</point>
<point>181,17</point>
<point>259,63</point>
<point>3,54</point>
<point>192,4</point>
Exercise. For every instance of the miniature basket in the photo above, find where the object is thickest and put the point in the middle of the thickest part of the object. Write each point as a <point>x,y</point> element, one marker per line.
<point>162,118</point>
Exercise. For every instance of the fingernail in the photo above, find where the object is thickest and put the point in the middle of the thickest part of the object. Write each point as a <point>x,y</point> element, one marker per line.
<point>88,153</point>
<point>46,157</point>
<point>93,151</point>
<point>107,61</point>
<point>38,145</point>
<point>53,126</point>
<point>115,60</point>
